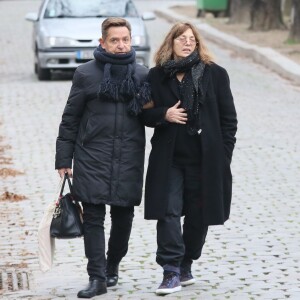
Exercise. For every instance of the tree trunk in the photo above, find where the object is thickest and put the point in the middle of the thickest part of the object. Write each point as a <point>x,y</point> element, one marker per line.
<point>295,28</point>
<point>240,11</point>
<point>266,15</point>
<point>286,6</point>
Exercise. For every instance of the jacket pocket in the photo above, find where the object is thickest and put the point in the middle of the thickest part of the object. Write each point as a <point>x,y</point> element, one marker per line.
<point>84,137</point>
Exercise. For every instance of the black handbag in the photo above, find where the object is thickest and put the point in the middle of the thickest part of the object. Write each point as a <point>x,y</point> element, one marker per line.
<point>67,217</point>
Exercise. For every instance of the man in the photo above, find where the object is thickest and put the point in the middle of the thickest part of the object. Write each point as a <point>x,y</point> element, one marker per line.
<point>103,136</point>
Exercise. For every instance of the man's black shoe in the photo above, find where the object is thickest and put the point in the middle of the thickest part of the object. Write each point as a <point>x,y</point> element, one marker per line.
<point>112,274</point>
<point>94,288</point>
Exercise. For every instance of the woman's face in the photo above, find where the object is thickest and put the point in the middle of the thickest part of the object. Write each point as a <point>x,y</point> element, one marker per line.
<point>184,44</point>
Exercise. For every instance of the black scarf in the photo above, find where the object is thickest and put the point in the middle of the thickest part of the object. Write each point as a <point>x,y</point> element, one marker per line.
<point>191,87</point>
<point>118,84</point>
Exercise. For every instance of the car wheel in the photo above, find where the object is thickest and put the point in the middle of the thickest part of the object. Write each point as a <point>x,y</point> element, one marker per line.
<point>35,64</point>
<point>42,73</point>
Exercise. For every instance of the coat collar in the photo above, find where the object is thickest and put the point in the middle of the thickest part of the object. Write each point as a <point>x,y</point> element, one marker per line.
<point>172,83</point>
<point>205,83</point>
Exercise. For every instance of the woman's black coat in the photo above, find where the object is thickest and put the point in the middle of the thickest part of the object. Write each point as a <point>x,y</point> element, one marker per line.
<point>219,125</point>
<point>106,142</point>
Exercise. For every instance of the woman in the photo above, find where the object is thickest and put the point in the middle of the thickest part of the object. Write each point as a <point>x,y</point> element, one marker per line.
<point>189,165</point>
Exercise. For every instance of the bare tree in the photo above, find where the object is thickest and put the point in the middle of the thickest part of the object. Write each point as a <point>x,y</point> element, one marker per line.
<point>240,11</point>
<point>295,28</point>
<point>266,15</point>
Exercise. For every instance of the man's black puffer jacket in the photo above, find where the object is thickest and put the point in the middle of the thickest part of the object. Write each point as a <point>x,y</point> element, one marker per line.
<point>106,142</point>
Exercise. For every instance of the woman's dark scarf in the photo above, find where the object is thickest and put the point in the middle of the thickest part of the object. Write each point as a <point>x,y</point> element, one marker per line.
<point>191,87</point>
<point>118,84</point>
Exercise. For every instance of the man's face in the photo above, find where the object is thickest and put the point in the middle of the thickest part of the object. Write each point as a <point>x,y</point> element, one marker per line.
<point>118,40</point>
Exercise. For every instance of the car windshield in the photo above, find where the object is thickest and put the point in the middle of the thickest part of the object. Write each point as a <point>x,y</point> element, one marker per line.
<point>89,9</point>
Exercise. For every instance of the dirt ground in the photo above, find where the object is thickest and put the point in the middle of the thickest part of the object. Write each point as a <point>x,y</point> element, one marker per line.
<point>276,39</point>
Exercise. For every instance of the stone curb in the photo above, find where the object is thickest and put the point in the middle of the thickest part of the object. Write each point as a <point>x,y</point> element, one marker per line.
<point>267,57</point>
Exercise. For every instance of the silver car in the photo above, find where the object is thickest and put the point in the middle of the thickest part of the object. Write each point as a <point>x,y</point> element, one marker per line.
<point>66,32</point>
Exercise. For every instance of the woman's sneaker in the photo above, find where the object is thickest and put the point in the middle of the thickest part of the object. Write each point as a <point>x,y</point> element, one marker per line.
<point>186,277</point>
<point>170,284</point>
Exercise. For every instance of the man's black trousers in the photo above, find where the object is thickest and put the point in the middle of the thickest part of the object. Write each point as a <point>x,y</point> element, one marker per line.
<point>94,238</point>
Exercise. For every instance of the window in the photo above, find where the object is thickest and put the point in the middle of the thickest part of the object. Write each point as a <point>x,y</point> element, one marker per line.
<point>89,9</point>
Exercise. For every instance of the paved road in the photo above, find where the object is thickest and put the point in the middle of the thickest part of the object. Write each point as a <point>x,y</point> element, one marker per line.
<point>254,256</point>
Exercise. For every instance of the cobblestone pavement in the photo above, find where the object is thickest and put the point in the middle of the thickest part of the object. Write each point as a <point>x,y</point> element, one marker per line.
<point>254,256</point>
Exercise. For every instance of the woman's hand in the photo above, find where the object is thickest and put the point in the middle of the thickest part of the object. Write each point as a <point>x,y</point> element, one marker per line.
<point>176,115</point>
<point>62,172</point>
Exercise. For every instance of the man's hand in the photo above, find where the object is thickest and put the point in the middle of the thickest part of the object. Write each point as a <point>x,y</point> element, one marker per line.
<point>148,105</point>
<point>176,115</point>
<point>62,172</point>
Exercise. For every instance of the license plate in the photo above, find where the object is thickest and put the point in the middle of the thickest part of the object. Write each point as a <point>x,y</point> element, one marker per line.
<point>85,54</point>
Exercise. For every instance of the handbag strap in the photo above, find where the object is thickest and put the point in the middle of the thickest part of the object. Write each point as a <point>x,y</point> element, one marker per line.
<point>66,177</point>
